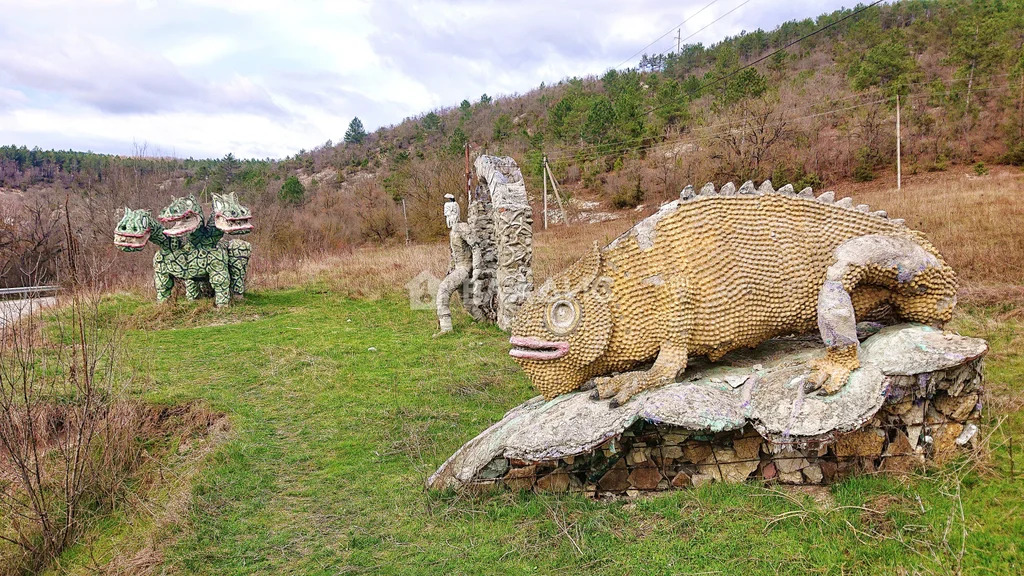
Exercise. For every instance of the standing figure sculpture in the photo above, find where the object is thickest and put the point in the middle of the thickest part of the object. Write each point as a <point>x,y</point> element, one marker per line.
<point>465,262</point>
<point>451,211</point>
<point>189,247</point>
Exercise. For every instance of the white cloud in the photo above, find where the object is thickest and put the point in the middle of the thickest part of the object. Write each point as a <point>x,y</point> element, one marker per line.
<point>245,135</point>
<point>198,51</point>
<point>12,98</point>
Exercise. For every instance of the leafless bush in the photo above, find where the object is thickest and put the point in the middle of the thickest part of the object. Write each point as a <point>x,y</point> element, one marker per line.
<point>756,126</point>
<point>30,241</point>
<point>66,437</point>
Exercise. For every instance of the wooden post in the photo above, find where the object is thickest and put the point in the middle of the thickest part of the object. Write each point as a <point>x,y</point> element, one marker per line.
<point>545,192</point>
<point>469,179</point>
<point>558,196</point>
<point>899,166</point>
<point>406,216</point>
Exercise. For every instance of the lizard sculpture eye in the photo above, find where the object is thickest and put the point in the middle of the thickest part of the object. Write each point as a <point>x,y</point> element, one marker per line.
<point>563,316</point>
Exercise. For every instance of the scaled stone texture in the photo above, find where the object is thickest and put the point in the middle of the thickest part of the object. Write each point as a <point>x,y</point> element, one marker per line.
<point>505,193</point>
<point>719,270</point>
<point>916,397</point>
<point>190,249</point>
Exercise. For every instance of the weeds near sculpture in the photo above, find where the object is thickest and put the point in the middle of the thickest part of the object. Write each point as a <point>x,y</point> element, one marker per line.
<point>67,441</point>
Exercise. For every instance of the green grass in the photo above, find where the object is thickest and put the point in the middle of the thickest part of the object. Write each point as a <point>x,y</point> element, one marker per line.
<point>323,471</point>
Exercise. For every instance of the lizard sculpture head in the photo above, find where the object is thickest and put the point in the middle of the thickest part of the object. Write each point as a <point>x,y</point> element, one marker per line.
<point>132,232</point>
<point>182,216</point>
<point>229,215</point>
<point>564,327</point>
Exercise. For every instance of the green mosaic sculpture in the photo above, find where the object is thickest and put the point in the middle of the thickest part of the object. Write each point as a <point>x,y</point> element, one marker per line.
<point>190,248</point>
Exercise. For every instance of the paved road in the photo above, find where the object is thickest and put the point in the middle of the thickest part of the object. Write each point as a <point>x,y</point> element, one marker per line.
<point>11,310</point>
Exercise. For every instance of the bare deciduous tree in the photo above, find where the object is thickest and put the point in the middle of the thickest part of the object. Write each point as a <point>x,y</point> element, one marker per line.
<point>756,126</point>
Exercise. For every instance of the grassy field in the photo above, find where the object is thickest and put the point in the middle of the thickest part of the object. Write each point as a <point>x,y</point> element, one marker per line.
<point>338,404</point>
<point>340,408</point>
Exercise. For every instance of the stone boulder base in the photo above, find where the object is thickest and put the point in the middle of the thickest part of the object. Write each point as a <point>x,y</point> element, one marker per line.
<point>916,397</point>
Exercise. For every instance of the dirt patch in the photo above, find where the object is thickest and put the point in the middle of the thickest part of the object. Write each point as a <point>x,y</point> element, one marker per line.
<point>875,513</point>
<point>198,432</point>
<point>822,495</point>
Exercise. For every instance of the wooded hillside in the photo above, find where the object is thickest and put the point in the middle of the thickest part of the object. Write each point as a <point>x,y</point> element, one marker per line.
<point>818,112</point>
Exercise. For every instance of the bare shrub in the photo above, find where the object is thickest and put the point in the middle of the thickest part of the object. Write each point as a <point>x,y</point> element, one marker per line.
<point>757,126</point>
<point>30,240</point>
<point>66,437</point>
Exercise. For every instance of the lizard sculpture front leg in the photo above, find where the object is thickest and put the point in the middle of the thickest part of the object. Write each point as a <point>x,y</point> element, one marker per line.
<point>673,295</point>
<point>162,281</point>
<point>220,277</point>
<point>838,328</point>
<point>621,387</point>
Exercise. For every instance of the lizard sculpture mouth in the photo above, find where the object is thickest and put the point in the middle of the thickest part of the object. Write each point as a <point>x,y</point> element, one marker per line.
<point>131,240</point>
<point>537,349</point>
<point>233,225</point>
<point>181,225</point>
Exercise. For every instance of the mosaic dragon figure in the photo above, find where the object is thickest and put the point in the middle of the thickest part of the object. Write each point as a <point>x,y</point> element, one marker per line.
<point>723,269</point>
<point>189,248</point>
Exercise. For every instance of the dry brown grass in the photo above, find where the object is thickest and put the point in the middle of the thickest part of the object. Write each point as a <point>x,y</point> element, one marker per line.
<point>193,432</point>
<point>369,272</point>
<point>375,271</point>
<point>977,223</point>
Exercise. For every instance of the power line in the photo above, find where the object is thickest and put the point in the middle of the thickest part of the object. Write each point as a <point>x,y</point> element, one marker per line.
<point>706,130</point>
<point>774,52</point>
<point>658,39</point>
<point>715,21</point>
<point>761,59</point>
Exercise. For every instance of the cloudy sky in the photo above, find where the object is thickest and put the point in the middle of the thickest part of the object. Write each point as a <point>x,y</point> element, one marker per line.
<point>266,78</point>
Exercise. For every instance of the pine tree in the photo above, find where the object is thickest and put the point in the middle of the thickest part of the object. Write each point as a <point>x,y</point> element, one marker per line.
<point>292,191</point>
<point>355,133</point>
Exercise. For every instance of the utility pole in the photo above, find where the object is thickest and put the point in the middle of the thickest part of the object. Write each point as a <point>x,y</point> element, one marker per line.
<point>469,178</point>
<point>554,186</point>
<point>406,216</point>
<point>545,192</point>
<point>679,36</point>
<point>899,167</point>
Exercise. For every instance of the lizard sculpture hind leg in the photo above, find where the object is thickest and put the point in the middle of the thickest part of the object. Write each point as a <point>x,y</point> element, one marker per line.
<point>192,288</point>
<point>923,288</point>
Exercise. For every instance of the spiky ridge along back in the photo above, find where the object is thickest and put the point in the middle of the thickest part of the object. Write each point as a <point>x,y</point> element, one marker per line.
<point>748,189</point>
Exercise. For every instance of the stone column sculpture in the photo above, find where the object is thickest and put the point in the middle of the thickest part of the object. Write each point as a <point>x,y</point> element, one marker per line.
<point>513,233</point>
<point>482,286</point>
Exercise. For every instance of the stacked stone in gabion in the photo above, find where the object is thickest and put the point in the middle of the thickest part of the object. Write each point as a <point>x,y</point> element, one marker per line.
<point>911,429</point>
<point>917,399</point>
